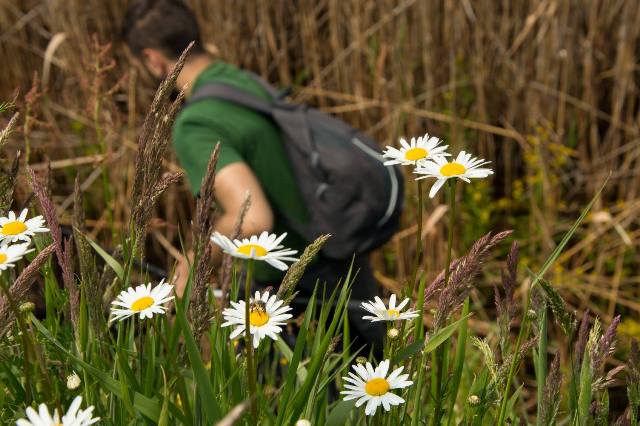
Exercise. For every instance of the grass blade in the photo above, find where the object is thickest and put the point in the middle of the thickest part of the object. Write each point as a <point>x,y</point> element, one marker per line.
<point>114,264</point>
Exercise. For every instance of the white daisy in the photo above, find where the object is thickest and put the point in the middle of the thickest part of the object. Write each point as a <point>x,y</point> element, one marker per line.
<point>14,228</point>
<point>266,315</point>
<point>373,386</point>
<point>10,254</point>
<point>264,247</point>
<point>74,417</point>
<point>392,313</point>
<point>142,300</point>
<point>410,153</point>
<point>464,167</point>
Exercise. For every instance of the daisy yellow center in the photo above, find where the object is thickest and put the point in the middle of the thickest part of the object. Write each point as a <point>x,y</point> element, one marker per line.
<point>376,387</point>
<point>394,313</point>
<point>258,318</point>
<point>415,154</point>
<point>3,258</point>
<point>257,249</point>
<point>14,228</point>
<point>452,169</point>
<point>141,304</point>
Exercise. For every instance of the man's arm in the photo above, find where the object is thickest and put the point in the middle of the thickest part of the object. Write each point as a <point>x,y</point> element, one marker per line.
<point>231,184</point>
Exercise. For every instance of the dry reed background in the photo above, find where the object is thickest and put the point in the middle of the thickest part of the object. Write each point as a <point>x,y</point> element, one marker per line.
<point>545,89</point>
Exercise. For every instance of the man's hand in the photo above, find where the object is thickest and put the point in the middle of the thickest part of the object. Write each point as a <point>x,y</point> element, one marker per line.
<point>181,274</point>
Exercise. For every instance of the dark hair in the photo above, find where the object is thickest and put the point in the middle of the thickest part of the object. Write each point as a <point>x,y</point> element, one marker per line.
<point>166,25</point>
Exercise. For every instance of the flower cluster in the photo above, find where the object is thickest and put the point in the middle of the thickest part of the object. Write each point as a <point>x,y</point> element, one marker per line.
<point>430,160</point>
<point>266,313</point>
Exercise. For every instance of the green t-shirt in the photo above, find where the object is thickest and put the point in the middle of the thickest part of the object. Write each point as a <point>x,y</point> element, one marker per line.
<point>244,136</point>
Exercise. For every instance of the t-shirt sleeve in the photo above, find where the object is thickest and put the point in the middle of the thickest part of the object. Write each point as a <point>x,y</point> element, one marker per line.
<point>194,143</point>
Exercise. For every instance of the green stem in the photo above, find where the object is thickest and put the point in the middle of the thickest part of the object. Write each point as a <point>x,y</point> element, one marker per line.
<point>452,219</point>
<point>26,348</point>
<point>417,406</point>
<point>524,330</point>
<point>416,261</point>
<point>251,373</point>
<point>459,361</point>
<point>438,367</point>
<point>541,363</point>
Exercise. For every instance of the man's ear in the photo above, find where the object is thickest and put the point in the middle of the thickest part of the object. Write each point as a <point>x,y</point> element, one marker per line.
<point>156,62</point>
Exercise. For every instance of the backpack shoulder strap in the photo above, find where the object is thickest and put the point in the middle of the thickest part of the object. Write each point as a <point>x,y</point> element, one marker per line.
<point>232,94</point>
<point>290,118</point>
<point>272,91</point>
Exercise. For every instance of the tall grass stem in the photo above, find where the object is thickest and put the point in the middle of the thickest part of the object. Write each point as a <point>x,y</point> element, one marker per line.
<point>416,262</point>
<point>439,367</point>
<point>251,374</point>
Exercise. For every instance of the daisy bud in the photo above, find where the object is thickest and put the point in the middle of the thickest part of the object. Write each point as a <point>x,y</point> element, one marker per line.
<point>361,360</point>
<point>393,333</point>
<point>73,381</point>
<point>27,307</point>
<point>303,422</point>
<point>532,315</point>
<point>473,400</point>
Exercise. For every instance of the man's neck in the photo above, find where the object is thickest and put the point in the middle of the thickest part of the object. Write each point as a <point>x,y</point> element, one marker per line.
<point>191,70</point>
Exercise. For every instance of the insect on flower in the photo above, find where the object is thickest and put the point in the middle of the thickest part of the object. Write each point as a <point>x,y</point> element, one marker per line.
<point>266,316</point>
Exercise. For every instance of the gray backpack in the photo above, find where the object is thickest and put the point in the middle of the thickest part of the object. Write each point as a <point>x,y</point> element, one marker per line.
<point>348,191</point>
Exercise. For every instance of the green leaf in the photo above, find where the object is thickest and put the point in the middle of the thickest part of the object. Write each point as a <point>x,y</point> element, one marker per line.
<point>145,405</point>
<point>117,268</point>
<point>306,391</point>
<point>584,399</point>
<point>164,413</point>
<point>205,388</point>
<point>512,401</point>
<point>443,334</point>
<point>12,382</point>
<point>556,252</point>
<point>301,371</point>
<point>408,351</point>
<point>338,416</point>
<point>296,357</point>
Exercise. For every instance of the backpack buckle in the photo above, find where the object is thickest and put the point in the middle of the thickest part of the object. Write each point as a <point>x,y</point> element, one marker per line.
<point>315,159</point>
<point>321,189</point>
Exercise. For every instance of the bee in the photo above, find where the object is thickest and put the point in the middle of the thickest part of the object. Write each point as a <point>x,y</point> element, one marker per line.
<point>258,306</point>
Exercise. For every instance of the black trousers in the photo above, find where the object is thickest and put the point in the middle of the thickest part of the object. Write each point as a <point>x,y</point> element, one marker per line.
<point>329,272</point>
